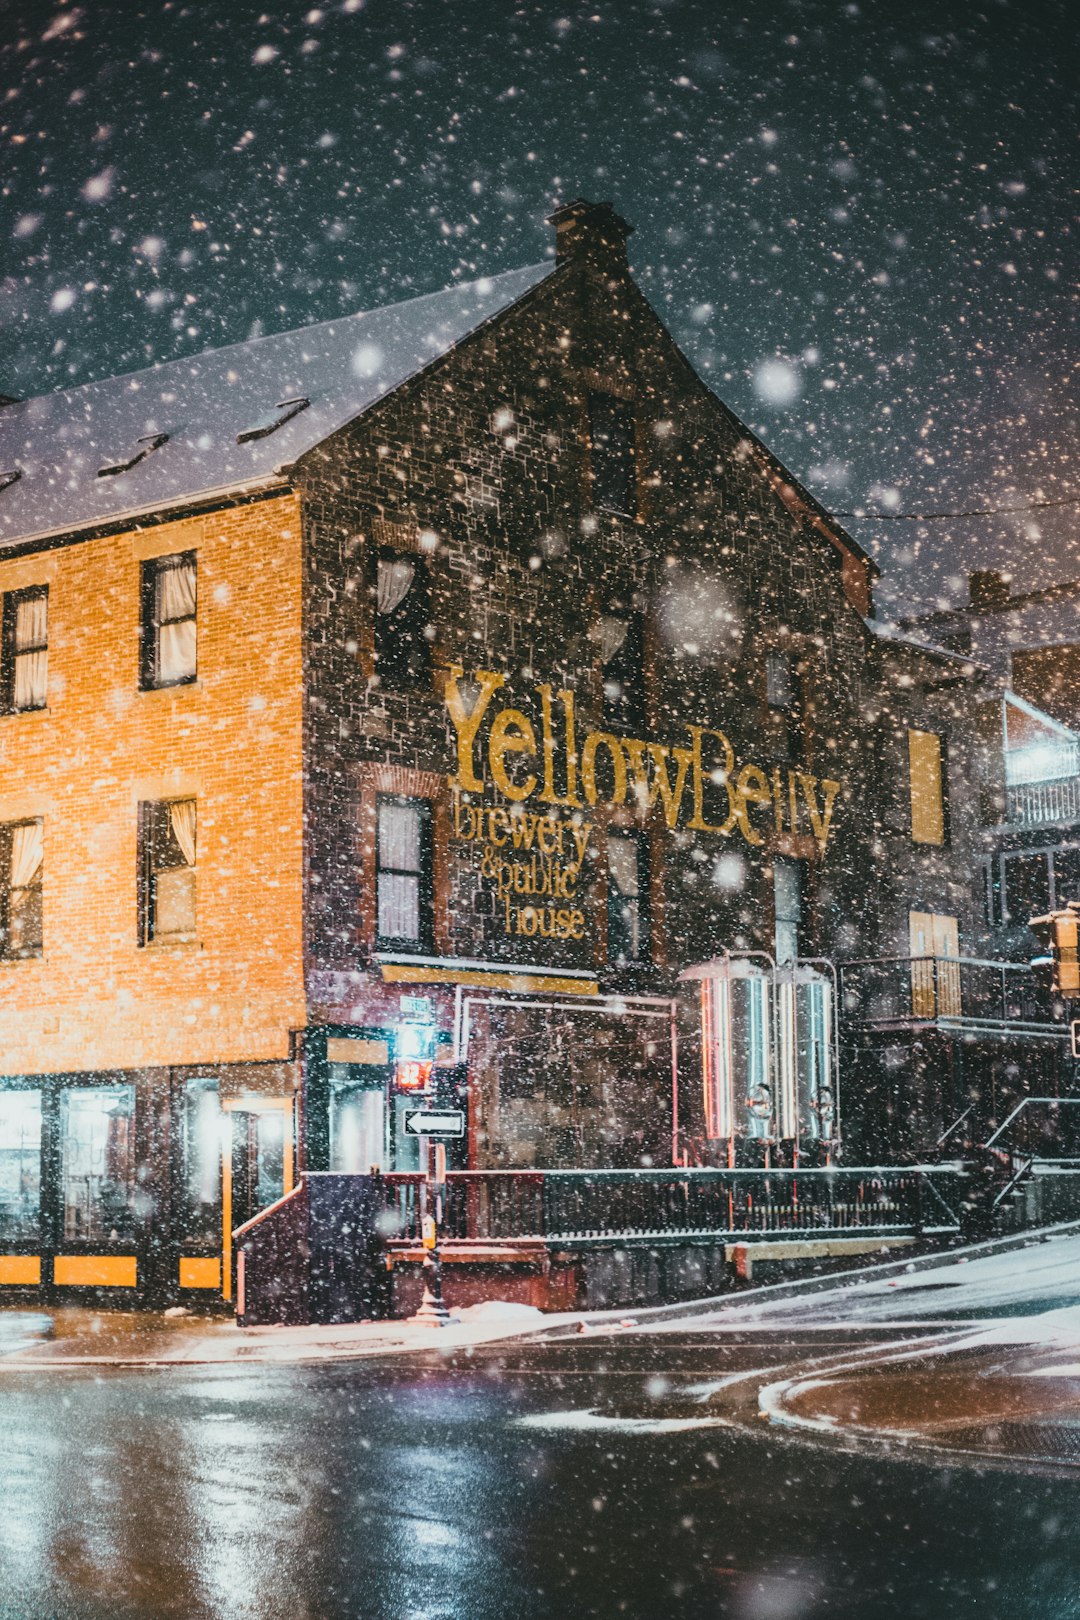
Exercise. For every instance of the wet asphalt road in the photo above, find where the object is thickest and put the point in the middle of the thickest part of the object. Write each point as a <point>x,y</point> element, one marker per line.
<point>457,1487</point>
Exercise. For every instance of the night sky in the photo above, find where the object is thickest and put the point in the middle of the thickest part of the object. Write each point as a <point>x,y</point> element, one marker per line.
<point>857,219</point>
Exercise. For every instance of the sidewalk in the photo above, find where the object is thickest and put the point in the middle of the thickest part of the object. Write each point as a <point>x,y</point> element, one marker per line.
<point>73,1337</point>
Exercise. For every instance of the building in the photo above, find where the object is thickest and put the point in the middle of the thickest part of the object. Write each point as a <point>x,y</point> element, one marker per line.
<point>443,700</point>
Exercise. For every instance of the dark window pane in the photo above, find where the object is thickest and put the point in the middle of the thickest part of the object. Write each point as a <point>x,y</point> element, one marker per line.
<point>624,680</point>
<point>402,621</point>
<point>1066,876</point>
<point>1027,887</point>
<point>611,431</point>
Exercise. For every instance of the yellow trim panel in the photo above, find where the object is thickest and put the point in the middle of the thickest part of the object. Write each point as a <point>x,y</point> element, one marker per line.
<point>477,979</point>
<point>200,1271</point>
<point>20,1270</point>
<point>95,1271</point>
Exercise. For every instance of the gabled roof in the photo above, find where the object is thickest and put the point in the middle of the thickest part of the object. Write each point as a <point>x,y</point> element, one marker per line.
<point>196,408</point>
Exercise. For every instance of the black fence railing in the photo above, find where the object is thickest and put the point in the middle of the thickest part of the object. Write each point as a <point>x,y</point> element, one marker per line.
<point>577,1205</point>
<point>902,989</point>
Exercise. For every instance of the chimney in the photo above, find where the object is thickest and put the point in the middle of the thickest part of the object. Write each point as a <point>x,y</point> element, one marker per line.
<point>988,589</point>
<point>594,228</point>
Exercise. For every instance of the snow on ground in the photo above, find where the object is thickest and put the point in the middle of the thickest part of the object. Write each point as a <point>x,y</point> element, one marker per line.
<point>1026,1282</point>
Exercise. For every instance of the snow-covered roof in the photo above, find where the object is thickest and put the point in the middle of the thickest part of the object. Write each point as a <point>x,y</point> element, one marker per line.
<point>174,427</point>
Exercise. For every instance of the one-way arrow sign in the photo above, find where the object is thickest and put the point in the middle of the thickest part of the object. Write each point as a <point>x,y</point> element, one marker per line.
<point>434,1122</point>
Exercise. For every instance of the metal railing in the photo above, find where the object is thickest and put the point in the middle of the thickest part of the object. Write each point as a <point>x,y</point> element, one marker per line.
<point>1044,1132</point>
<point>578,1205</point>
<point>892,990</point>
<point>1034,804</point>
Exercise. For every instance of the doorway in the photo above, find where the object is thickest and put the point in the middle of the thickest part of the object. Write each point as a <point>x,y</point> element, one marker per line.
<point>256,1164</point>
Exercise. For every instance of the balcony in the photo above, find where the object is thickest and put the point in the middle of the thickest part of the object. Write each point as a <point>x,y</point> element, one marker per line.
<point>962,994</point>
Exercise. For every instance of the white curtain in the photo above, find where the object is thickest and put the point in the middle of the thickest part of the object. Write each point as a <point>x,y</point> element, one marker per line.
<point>31,654</point>
<point>399,837</point>
<point>395,576</point>
<point>610,633</point>
<point>27,853</point>
<point>182,819</point>
<point>176,619</point>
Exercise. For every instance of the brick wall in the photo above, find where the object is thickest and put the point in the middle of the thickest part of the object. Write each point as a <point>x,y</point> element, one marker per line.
<point>486,459</point>
<point>95,999</point>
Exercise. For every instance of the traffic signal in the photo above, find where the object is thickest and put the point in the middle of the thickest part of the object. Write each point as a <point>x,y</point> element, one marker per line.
<point>1058,931</point>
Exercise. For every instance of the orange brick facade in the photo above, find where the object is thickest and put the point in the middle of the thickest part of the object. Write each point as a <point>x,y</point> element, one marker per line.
<point>96,1000</point>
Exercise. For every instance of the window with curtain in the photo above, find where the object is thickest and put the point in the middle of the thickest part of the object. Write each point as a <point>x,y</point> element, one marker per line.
<point>166,870</point>
<point>26,648</point>
<point>621,640</point>
<point>402,621</point>
<point>628,898</point>
<point>22,860</point>
<point>611,440</point>
<point>403,863</point>
<point>169,618</point>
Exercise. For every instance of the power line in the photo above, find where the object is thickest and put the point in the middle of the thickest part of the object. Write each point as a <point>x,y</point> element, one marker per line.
<point>975,511</point>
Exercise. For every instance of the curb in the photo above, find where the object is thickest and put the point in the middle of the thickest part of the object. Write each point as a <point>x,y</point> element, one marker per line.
<point>836,1279</point>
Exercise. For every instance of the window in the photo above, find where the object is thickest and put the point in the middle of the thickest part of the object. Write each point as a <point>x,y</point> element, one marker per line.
<point>1027,886</point>
<point>1066,875</point>
<point>97,1174</point>
<point>149,442</point>
<point>787,709</point>
<point>168,641</point>
<point>927,775</point>
<point>787,901</point>
<point>22,859</point>
<point>26,648</point>
<point>611,436</point>
<point>628,898</point>
<point>285,411</point>
<point>622,658</point>
<point>202,1148</point>
<point>20,1165</point>
<point>403,859</point>
<point>402,621</point>
<point>167,871</point>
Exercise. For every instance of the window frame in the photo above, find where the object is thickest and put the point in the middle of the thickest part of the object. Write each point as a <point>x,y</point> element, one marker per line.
<point>9,653</point>
<point>148,874</point>
<point>150,625</point>
<point>7,888</point>
<point>616,900</point>
<point>423,872</point>
<point>397,671</point>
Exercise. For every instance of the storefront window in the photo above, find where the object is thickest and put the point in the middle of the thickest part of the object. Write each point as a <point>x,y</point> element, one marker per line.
<point>202,1156</point>
<point>20,1165</point>
<point>98,1162</point>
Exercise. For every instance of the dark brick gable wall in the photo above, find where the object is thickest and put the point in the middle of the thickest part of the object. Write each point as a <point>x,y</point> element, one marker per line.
<point>485,458</point>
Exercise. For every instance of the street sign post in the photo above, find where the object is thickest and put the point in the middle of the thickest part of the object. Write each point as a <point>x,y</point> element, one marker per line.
<point>434,1122</point>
